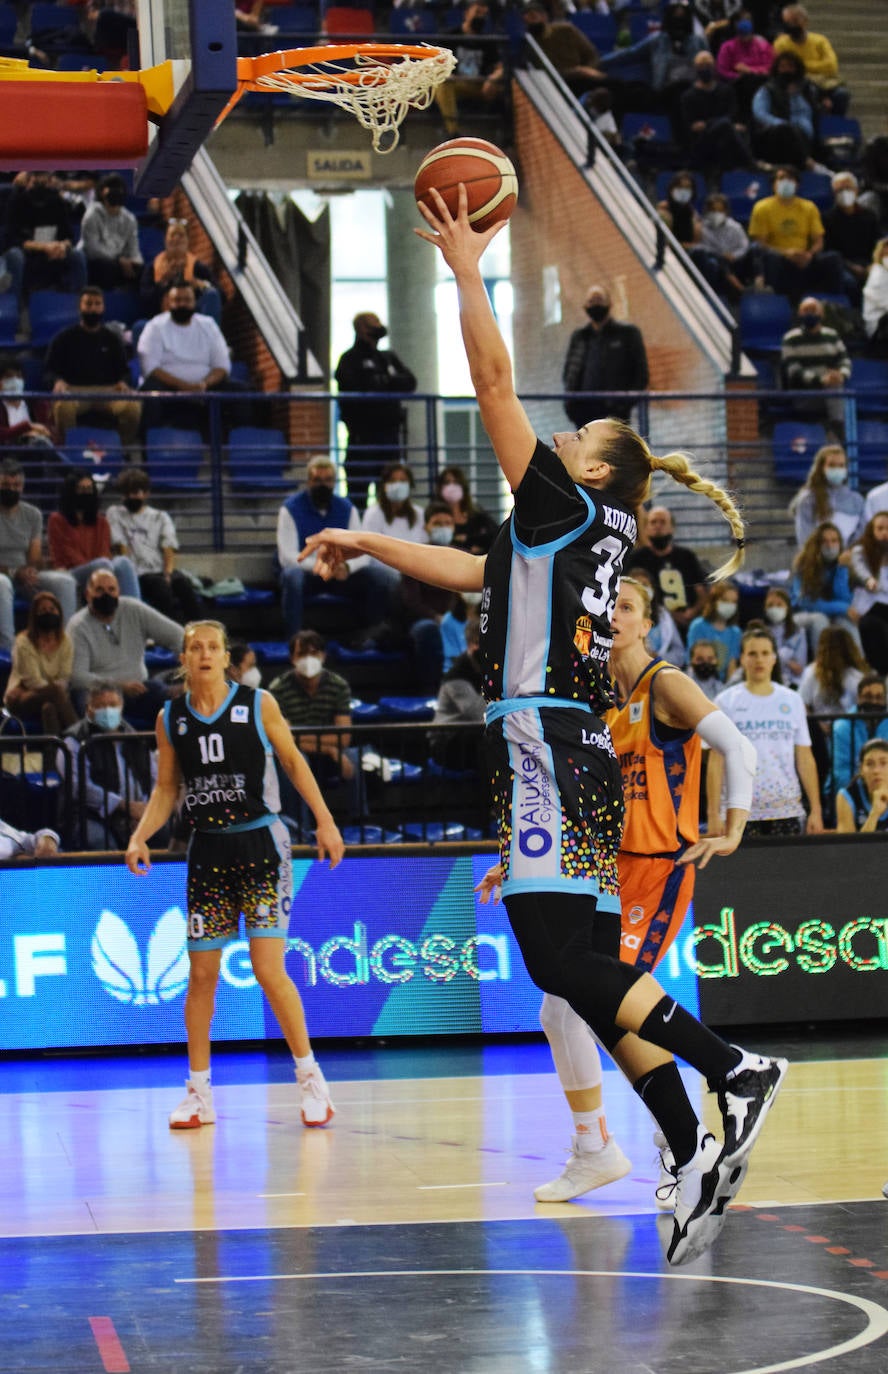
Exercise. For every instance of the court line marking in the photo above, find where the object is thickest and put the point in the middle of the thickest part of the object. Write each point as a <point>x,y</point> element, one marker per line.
<point>877,1316</point>
<point>111,1352</point>
<point>439,1187</point>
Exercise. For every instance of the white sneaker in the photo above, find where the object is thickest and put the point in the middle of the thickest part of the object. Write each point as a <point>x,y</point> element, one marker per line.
<point>664,1193</point>
<point>585,1170</point>
<point>697,1215</point>
<point>317,1107</point>
<point>196,1109</point>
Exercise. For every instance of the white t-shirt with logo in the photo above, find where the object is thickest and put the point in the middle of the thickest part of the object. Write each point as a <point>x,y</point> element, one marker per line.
<point>774,725</point>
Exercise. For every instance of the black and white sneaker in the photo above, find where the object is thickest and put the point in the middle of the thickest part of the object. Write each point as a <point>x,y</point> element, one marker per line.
<point>745,1100</point>
<point>704,1188</point>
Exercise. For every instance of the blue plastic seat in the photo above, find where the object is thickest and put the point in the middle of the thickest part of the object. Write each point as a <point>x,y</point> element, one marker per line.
<point>370,834</point>
<point>764,319</point>
<point>743,188</point>
<point>840,137</point>
<point>9,320</point>
<point>123,306</point>
<point>296,19</point>
<point>650,137</point>
<point>173,457</point>
<point>795,443</point>
<point>408,708</point>
<point>872,452</point>
<point>151,241</point>
<point>98,450</point>
<point>869,382</point>
<point>269,651</point>
<point>816,186</point>
<point>406,21</point>
<point>50,311</point>
<point>8,23</point>
<point>158,659</point>
<point>600,29</point>
<point>250,596</point>
<point>257,459</point>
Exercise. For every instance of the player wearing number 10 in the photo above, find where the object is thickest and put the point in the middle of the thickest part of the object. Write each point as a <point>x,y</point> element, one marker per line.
<point>217,742</point>
<point>549,585</point>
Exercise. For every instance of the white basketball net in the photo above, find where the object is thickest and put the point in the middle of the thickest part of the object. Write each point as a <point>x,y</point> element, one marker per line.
<point>377,90</point>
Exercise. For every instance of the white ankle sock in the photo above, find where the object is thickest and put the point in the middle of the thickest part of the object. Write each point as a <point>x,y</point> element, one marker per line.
<point>200,1079</point>
<point>591,1131</point>
<point>306,1062</point>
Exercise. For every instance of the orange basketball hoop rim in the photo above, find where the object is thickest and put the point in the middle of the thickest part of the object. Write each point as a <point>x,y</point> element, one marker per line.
<point>377,82</point>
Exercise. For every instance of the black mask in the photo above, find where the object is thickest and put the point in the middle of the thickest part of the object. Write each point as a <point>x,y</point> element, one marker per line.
<point>660,541</point>
<point>794,32</point>
<point>182,314</point>
<point>536,30</point>
<point>105,603</point>
<point>87,503</point>
<point>704,671</point>
<point>48,621</point>
<point>321,496</point>
<point>598,313</point>
<point>377,332</point>
<point>133,503</point>
<point>872,708</point>
<point>478,24</point>
<point>9,497</point>
<point>809,321</point>
<point>784,78</point>
<point>115,197</point>
<point>91,319</point>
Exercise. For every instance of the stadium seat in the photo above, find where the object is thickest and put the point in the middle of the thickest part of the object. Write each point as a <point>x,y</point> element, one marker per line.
<point>408,708</point>
<point>650,137</point>
<point>840,138</point>
<point>50,311</point>
<point>743,188</point>
<point>764,319</point>
<point>816,186</point>
<point>258,459</point>
<point>370,834</point>
<point>642,23</point>
<point>872,452</point>
<point>97,449</point>
<point>348,19</point>
<point>406,21</point>
<point>869,382</point>
<point>298,19</point>
<point>173,457</point>
<point>795,443</point>
<point>9,320</point>
<point>151,241</point>
<point>122,306</point>
<point>600,29</point>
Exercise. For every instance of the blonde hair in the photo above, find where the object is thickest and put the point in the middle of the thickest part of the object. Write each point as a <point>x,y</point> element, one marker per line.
<point>189,630</point>
<point>678,466</point>
<point>644,591</point>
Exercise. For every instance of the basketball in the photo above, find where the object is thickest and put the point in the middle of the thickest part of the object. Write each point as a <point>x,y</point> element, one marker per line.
<point>488,175</point>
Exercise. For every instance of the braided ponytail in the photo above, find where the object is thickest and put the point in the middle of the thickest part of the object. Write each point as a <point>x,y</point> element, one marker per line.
<point>679,469</point>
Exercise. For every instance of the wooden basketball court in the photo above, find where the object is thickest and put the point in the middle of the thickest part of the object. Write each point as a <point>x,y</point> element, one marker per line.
<point>406,1236</point>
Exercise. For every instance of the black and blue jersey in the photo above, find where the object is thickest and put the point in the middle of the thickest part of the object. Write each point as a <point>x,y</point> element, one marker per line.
<point>226,761</point>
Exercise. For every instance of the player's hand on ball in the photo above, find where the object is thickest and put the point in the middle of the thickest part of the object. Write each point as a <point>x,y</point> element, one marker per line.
<point>490,885</point>
<point>460,244</point>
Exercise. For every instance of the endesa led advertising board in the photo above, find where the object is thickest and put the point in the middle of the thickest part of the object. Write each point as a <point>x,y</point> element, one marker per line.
<point>399,945</point>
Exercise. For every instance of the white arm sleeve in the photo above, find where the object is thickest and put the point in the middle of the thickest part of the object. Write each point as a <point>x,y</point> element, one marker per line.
<point>740,757</point>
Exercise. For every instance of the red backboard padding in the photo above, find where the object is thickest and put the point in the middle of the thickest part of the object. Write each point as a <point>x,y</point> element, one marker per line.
<point>55,124</point>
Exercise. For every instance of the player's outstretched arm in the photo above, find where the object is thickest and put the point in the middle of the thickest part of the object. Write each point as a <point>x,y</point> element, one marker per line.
<point>329,841</point>
<point>504,417</point>
<point>453,569</point>
<point>161,804</point>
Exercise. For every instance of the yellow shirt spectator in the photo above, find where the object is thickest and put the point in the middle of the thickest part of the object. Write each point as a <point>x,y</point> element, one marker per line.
<point>787,226</point>
<point>818,55</point>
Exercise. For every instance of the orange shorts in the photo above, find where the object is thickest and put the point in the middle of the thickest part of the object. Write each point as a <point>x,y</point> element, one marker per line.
<point>654,898</point>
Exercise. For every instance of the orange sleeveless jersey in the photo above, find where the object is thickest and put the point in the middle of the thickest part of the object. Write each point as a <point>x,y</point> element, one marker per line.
<point>661,778</point>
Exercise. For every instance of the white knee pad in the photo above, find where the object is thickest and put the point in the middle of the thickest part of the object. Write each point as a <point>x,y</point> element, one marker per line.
<point>577,1061</point>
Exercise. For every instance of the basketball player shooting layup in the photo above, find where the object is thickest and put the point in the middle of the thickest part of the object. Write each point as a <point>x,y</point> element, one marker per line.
<point>549,585</point>
<point>219,740</point>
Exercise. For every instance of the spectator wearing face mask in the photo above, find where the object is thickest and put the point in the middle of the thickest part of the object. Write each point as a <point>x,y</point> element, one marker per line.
<point>875,300</point>
<point>476,77</point>
<point>90,357</point>
<point>375,427</point>
<point>852,231</point>
<point>242,665</point>
<point>18,426</point>
<point>869,608</point>
<point>109,237</point>
<point>118,773</point>
<point>419,608</point>
<point>714,134</point>
<point>176,265</point>
<point>147,538</point>
<point>821,587</point>
<point>79,535</point>
<point>394,513</point>
<point>784,114</point>
<point>311,697</point>
<point>717,623</point>
<point>473,528</point>
<point>789,232</point>
<point>817,54</point>
<point>21,554</point>
<point>745,60</point>
<point>309,511</point>
<point>182,351</point>
<point>673,569</point>
<point>678,211</point>
<point>42,660</point>
<point>703,668</point>
<point>791,639</point>
<point>604,356</point>
<point>826,496</point>
<point>726,238</point>
<point>110,637</point>
<point>39,236</point>
<point>849,736</point>
<point>814,359</point>
<point>668,54</point>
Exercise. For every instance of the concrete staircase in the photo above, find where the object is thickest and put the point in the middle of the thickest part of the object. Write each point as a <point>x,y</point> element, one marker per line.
<point>858,30</point>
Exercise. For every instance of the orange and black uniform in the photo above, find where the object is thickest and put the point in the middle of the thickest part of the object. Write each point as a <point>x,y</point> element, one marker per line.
<point>661,789</point>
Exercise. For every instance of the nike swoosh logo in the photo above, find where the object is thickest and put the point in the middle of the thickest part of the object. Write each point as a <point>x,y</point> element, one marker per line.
<point>668,1017</point>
